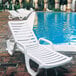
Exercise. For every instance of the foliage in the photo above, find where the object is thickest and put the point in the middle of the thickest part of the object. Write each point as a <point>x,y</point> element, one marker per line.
<point>17,6</point>
<point>28,5</point>
<point>51,4</point>
<point>10,6</point>
<point>57,10</point>
<point>62,2</point>
<point>40,5</point>
<point>1,6</point>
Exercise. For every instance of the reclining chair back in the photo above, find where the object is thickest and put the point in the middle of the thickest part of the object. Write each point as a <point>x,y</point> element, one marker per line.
<point>22,31</point>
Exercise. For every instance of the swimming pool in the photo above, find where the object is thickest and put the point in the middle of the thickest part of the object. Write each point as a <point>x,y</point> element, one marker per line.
<point>58,27</point>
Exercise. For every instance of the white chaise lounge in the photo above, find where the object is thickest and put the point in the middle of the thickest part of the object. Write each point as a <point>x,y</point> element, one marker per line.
<point>27,43</point>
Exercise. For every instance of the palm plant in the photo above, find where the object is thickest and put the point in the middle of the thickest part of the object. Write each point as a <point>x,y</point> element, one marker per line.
<point>51,4</point>
<point>40,5</point>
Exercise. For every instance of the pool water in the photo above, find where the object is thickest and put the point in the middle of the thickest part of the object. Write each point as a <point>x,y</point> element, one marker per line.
<point>59,27</point>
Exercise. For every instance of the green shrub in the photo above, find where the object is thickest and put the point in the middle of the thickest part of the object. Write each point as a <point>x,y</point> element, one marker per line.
<point>1,7</point>
<point>40,5</point>
<point>57,10</point>
<point>51,4</point>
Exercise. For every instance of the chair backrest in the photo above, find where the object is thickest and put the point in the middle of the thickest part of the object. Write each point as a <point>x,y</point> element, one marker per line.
<point>31,19</point>
<point>24,12</point>
<point>22,32</point>
<point>14,13</point>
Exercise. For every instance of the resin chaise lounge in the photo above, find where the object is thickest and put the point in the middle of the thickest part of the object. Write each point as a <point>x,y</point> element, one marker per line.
<point>26,41</point>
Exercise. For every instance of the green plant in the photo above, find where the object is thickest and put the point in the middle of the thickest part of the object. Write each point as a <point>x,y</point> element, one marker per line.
<point>1,7</point>
<point>17,6</point>
<point>57,10</point>
<point>51,4</point>
<point>10,6</point>
<point>27,5</point>
<point>40,5</point>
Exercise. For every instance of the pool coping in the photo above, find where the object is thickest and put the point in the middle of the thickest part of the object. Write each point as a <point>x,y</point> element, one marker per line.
<point>62,47</point>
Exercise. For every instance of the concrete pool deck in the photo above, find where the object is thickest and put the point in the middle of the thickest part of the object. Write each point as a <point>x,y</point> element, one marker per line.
<point>15,66</point>
<point>63,47</point>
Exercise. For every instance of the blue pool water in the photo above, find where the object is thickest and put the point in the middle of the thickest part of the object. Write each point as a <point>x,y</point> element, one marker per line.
<point>56,27</point>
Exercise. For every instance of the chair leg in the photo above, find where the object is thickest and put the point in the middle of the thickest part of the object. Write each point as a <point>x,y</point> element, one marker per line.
<point>10,17</point>
<point>31,72</point>
<point>56,73</point>
<point>10,46</point>
<point>46,72</point>
<point>52,72</point>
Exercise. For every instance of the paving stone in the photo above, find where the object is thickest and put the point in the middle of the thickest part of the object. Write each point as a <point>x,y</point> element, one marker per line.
<point>2,68</point>
<point>70,74</point>
<point>6,59</point>
<point>73,69</point>
<point>26,74</point>
<point>21,67</point>
<point>2,73</point>
<point>4,54</point>
<point>22,74</point>
<point>10,71</point>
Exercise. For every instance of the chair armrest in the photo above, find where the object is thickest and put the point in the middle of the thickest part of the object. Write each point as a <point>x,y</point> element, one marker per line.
<point>21,45</point>
<point>46,41</point>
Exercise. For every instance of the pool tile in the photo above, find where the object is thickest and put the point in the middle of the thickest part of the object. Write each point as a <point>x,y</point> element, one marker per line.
<point>2,73</point>
<point>22,74</point>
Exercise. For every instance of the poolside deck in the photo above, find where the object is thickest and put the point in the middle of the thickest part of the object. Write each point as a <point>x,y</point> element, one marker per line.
<point>15,66</point>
